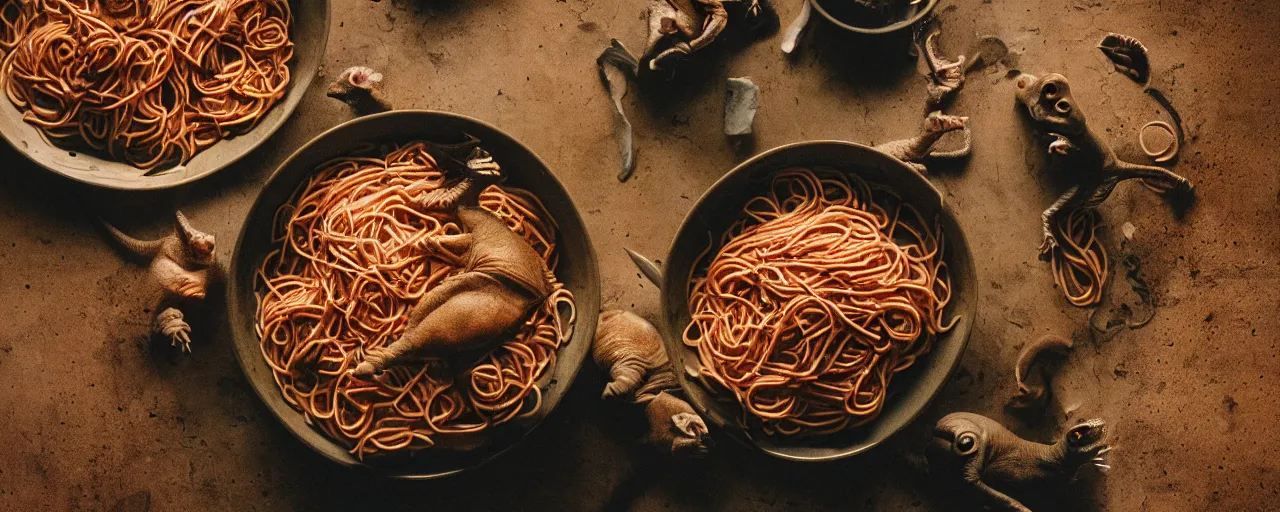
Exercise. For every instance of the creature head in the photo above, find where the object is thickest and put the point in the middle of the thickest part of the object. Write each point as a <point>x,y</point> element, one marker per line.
<point>1085,442</point>
<point>353,78</point>
<point>201,244</point>
<point>482,168</point>
<point>937,122</point>
<point>1049,103</point>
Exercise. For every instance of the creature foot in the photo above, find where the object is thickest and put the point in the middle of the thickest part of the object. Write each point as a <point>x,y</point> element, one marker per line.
<point>1047,246</point>
<point>170,323</point>
<point>375,361</point>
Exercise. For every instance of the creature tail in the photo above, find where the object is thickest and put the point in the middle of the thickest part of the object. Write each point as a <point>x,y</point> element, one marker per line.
<point>1158,177</point>
<point>135,247</point>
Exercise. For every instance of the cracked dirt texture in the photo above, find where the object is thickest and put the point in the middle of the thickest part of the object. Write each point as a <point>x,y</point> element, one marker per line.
<point>98,417</point>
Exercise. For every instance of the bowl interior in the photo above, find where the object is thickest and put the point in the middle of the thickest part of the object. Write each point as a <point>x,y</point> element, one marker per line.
<point>843,13</point>
<point>310,33</point>
<point>911,390</point>
<point>577,269</point>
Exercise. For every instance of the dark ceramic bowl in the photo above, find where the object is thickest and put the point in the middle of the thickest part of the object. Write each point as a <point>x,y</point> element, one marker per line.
<point>577,269</point>
<point>843,14</point>
<point>310,34</point>
<point>911,390</point>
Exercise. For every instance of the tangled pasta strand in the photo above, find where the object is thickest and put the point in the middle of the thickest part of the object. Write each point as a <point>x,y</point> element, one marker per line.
<point>1079,261</point>
<point>817,297</point>
<point>148,82</point>
<point>350,263</point>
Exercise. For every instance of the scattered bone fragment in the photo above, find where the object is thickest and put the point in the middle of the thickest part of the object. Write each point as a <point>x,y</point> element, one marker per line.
<point>742,99</point>
<point>617,65</point>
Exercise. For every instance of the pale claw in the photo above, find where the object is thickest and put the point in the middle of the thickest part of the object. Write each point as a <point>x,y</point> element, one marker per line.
<point>170,323</point>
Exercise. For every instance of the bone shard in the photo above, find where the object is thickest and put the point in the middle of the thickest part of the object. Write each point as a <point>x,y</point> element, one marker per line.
<point>742,99</point>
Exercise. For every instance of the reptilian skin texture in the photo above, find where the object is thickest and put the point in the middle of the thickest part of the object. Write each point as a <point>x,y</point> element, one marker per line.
<point>1095,168</point>
<point>981,456</point>
<point>500,282</point>
<point>914,150</point>
<point>630,349</point>
<point>183,264</point>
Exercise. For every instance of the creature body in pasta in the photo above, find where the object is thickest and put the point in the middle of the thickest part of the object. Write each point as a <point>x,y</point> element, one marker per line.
<point>500,282</point>
<point>1096,168</point>
<point>915,149</point>
<point>984,457</point>
<point>630,348</point>
<point>182,263</point>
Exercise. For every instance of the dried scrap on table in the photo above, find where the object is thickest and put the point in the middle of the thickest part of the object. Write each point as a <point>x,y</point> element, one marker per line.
<point>678,28</point>
<point>183,264</point>
<point>616,65</point>
<point>984,459</point>
<point>1095,168</point>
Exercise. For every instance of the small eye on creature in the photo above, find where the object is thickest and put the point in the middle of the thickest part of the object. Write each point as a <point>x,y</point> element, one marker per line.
<point>966,443</point>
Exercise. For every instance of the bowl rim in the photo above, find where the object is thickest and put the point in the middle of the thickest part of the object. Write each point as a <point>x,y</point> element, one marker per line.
<point>233,292</point>
<point>964,328</point>
<point>267,129</point>
<point>894,27</point>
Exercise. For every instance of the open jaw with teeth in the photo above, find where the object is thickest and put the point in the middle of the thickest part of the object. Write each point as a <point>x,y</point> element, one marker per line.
<point>983,457</point>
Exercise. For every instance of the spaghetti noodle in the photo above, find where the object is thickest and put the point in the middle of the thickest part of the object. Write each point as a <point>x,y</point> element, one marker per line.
<point>1079,261</point>
<point>818,296</point>
<point>350,262</point>
<point>147,82</point>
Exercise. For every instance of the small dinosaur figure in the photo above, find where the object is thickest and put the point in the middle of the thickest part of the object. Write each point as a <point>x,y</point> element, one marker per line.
<point>915,149</point>
<point>500,282</point>
<point>630,349</point>
<point>182,263</point>
<point>360,87</point>
<point>982,456</point>
<point>1097,169</point>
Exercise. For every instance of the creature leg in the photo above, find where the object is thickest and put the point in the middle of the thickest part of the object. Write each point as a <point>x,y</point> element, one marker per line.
<point>917,167</point>
<point>1126,170</point>
<point>626,374</point>
<point>447,288</point>
<point>470,319</point>
<point>1052,216</point>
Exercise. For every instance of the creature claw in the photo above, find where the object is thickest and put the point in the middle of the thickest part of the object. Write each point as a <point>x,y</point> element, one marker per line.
<point>1047,246</point>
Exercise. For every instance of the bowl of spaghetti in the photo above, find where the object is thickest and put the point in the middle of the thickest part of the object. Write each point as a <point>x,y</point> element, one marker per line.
<point>333,255</point>
<point>873,16</point>
<point>817,298</point>
<point>139,95</point>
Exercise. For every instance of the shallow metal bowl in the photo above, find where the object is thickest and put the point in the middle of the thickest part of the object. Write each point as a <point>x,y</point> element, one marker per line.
<point>577,269</point>
<point>841,13</point>
<point>310,34</point>
<point>911,390</point>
